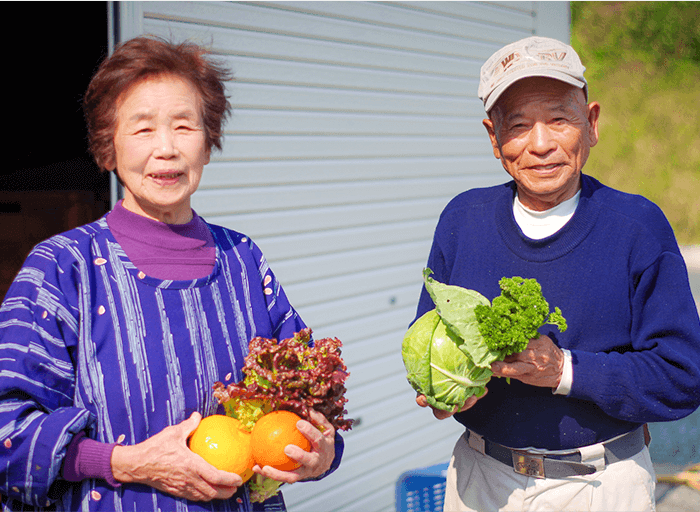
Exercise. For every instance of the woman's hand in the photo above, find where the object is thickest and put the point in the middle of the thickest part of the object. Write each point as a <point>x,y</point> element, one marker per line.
<point>165,462</point>
<point>440,414</point>
<point>313,463</point>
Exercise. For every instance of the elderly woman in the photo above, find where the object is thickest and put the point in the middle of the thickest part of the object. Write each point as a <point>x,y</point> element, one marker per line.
<point>113,333</point>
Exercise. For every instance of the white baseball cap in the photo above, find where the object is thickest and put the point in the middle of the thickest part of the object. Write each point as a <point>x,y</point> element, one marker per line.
<point>532,56</point>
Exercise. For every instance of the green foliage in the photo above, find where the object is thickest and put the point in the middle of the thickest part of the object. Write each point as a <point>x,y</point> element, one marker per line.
<point>662,35</point>
<point>514,317</point>
<point>643,67</point>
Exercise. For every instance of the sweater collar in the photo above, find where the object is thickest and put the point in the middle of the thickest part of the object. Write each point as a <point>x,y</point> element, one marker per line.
<point>560,243</point>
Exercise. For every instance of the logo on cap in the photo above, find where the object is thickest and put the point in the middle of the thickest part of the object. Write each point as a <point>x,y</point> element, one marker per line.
<point>552,56</point>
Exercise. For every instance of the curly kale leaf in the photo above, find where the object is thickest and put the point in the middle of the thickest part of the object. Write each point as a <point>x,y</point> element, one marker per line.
<point>515,316</point>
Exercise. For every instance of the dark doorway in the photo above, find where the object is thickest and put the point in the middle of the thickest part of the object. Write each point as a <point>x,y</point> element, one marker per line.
<point>48,181</point>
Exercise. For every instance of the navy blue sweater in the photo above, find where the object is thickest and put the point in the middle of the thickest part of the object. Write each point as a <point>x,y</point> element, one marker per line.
<point>617,274</point>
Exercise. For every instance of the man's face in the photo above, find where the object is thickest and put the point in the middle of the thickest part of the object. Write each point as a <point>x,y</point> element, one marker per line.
<point>542,130</point>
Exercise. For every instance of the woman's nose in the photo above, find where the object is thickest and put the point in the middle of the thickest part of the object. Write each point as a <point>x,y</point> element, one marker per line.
<point>165,144</point>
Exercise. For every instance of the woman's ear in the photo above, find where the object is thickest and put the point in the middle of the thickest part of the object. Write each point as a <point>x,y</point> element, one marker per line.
<point>109,163</point>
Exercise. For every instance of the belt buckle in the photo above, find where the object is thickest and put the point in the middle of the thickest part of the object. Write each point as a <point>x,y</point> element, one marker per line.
<point>528,464</point>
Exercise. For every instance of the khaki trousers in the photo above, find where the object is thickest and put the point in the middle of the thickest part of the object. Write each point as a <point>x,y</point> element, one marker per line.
<point>477,482</point>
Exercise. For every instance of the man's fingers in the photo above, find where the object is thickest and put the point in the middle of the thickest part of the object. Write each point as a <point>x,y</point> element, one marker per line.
<point>472,400</point>
<point>440,414</point>
<point>510,369</point>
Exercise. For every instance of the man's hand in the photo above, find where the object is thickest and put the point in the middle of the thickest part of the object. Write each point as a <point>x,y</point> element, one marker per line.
<point>540,364</point>
<point>313,463</point>
<point>165,462</point>
<point>440,414</point>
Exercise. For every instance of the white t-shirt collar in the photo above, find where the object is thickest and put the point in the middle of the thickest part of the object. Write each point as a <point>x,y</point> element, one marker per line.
<point>538,225</point>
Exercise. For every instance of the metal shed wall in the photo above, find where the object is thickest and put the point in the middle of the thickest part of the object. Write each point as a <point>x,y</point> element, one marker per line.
<point>354,124</point>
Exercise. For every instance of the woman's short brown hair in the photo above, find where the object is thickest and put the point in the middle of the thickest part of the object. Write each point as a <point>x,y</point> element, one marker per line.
<point>142,58</point>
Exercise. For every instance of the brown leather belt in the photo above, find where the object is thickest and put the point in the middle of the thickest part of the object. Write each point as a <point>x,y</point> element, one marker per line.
<point>561,464</point>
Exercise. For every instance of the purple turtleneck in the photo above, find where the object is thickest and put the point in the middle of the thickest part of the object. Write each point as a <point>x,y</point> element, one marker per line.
<point>164,251</point>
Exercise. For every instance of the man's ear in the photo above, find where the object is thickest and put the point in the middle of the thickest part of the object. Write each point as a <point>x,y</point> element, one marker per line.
<point>593,116</point>
<point>490,128</point>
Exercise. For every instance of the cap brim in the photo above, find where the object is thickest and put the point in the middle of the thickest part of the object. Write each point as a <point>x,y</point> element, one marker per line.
<point>528,73</point>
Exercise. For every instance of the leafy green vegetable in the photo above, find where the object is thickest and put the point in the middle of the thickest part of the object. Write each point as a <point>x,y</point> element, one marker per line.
<point>448,351</point>
<point>295,374</point>
<point>262,488</point>
<point>515,316</point>
<point>456,306</point>
<point>437,367</point>
<point>246,410</point>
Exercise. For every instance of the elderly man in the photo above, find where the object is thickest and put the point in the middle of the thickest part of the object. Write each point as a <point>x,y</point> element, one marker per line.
<point>566,432</point>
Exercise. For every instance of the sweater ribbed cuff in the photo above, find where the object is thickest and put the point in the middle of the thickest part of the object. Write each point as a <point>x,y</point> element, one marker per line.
<point>87,458</point>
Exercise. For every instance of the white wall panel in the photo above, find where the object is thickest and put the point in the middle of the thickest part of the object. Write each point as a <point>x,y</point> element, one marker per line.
<point>353,124</point>
<point>260,172</point>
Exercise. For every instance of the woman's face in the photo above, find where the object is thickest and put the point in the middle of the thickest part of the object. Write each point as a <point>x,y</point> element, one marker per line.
<point>160,148</point>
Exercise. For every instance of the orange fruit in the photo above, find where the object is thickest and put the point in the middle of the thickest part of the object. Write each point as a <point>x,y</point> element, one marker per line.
<point>220,441</point>
<point>271,434</point>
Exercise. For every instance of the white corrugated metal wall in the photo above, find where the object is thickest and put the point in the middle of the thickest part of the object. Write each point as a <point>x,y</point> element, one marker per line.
<point>354,124</point>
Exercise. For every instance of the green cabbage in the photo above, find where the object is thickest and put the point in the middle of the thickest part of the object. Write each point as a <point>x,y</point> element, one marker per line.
<point>446,355</point>
<point>436,365</point>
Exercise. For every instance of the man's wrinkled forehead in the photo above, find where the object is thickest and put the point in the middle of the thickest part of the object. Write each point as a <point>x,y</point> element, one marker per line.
<point>550,94</point>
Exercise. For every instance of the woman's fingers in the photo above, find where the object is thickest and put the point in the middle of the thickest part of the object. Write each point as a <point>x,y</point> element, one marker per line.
<point>166,463</point>
<point>315,462</point>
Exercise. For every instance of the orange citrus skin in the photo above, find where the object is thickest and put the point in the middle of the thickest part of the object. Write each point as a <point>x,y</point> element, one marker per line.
<point>222,443</point>
<point>271,434</point>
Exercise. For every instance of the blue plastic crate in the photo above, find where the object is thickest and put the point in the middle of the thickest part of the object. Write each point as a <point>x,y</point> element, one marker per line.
<point>422,489</point>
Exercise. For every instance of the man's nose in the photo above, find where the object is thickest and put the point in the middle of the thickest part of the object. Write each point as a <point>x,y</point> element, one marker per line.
<point>541,139</point>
